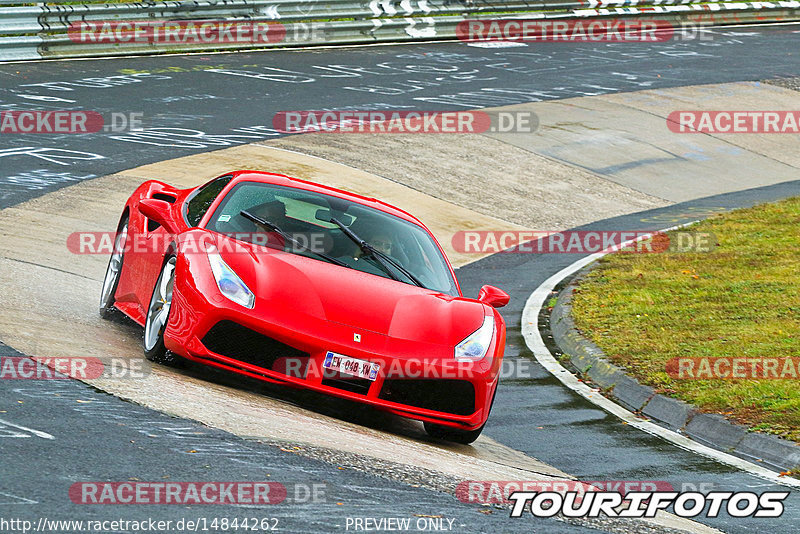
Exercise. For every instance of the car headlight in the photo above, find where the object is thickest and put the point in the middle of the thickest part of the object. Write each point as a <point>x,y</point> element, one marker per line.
<point>228,282</point>
<point>475,346</point>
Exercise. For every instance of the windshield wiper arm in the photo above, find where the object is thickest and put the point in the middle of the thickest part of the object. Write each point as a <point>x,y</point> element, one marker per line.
<point>380,254</point>
<point>275,228</point>
<point>381,257</point>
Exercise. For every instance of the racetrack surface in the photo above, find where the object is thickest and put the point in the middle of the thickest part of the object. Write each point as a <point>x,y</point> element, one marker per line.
<point>535,416</point>
<point>99,437</point>
<point>223,100</point>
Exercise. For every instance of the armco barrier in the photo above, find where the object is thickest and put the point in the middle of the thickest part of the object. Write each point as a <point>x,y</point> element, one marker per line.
<point>30,30</point>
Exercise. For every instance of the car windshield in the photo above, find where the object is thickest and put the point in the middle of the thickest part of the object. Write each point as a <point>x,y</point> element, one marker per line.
<point>305,219</point>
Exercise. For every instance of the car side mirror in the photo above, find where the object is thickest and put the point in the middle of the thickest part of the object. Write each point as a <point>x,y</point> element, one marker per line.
<point>159,211</point>
<point>494,297</point>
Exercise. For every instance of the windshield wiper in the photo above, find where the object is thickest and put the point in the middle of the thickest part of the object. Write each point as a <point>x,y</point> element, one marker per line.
<point>275,228</point>
<point>380,257</point>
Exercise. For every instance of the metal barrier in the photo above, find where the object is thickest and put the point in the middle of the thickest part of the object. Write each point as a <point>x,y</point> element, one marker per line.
<point>30,30</point>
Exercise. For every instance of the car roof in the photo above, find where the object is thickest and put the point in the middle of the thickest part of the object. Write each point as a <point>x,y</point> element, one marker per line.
<point>288,181</point>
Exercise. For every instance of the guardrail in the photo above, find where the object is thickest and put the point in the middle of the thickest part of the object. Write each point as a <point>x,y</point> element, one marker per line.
<point>30,30</point>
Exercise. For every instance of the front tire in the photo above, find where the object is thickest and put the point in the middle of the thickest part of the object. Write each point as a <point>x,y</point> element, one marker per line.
<point>158,317</point>
<point>113,271</point>
<point>456,435</point>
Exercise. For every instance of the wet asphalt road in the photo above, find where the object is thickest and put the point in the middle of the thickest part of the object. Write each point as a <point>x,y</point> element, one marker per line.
<point>542,418</point>
<point>199,103</point>
<point>99,438</point>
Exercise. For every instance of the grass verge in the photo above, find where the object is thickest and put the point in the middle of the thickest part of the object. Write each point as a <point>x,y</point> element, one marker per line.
<point>740,300</point>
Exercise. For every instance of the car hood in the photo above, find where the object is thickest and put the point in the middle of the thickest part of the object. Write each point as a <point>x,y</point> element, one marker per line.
<point>300,285</point>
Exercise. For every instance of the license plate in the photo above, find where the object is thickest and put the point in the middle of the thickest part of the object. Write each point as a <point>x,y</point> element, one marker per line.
<point>351,366</point>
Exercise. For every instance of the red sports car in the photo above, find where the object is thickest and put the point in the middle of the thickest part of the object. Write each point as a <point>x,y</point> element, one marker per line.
<point>305,285</point>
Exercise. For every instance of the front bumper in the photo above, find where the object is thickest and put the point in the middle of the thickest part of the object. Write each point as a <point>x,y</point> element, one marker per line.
<point>286,347</point>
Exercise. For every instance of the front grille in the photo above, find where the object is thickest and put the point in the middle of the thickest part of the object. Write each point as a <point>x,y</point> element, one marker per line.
<point>442,395</point>
<point>347,383</point>
<point>233,340</point>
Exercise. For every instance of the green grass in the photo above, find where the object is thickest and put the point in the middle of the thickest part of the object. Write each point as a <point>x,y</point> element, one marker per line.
<point>741,300</point>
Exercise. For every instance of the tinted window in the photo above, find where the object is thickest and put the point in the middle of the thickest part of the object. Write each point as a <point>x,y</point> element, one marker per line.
<point>198,205</point>
<point>305,216</point>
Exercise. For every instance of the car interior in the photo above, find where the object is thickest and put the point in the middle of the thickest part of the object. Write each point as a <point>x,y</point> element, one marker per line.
<point>307,219</point>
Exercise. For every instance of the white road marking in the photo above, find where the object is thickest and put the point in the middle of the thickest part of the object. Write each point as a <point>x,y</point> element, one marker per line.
<point>16,499</point>
<point>535,343</point>
<point>497,44</point>
<point>37,433</point>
